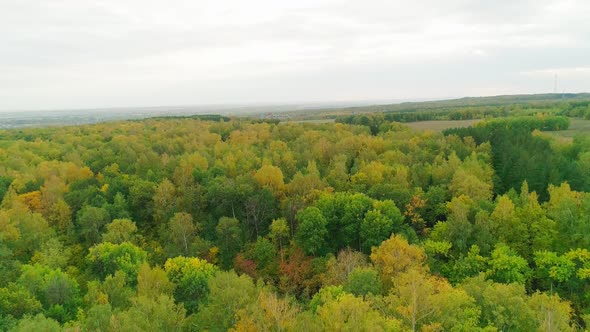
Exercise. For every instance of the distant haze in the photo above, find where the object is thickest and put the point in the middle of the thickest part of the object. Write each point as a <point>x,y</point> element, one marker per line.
<point>72,54</point>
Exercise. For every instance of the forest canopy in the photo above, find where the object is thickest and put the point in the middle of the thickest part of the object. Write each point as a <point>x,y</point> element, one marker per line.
<point>215,223</point>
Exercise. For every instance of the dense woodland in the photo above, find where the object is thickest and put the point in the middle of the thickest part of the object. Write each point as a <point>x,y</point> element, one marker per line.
<point>219,224</point>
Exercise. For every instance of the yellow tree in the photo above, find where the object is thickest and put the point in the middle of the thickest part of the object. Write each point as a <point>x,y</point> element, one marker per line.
<point>60,216</point>
<point>340,267</point>
<point>182,231</point>
<point>51,192</point>
<point>119,231</point>
<point>164,201</point>
<point>551,313</point>
<point>32,200</point>
<point>410,298</point>
<point>508,227</point>
<point>350,313</point>
<point>395,256</point>
<point>153,282</point>
<point>430,303</point>
<point>468,184</point>
<point>271,177</point>
<point>269,313</point>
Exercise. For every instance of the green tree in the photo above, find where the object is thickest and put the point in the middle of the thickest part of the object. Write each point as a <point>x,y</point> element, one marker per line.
<point>58,292</point>
<point>571,212</point>
<point>107,258</point>
<point>469,265</point>
<point>503,306</point>
<point>4,184</point>
<point>229,239</point>
<point>312,232</point>
<point>344,214</point>
<point>279,232</point>
<point>507,266</point>
<point>375,228</point>
<point>114,290</point>
<point>119,231</point>
<point>98,318</point>
<point>26,232</point>
<point>191,277</point>
<point>152,282</point>
<point>141,202</point>
<point>37,323</point>
<point>146,314</point>
<point>229,293</point>
<point>263,252</point>
<point>91,221</point>
<point>52,253</point>
<point>362,282</point>
<point>119,208</point>
<point>117,289</point>
<point>16,300</point>
<point>458,229</point>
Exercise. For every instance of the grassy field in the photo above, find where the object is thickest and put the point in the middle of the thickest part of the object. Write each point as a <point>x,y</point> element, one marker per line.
<point>436,105</point>
<point>435,125</point>
<point>309,121</point>
<point>577,126</point>
<point>440,125</point>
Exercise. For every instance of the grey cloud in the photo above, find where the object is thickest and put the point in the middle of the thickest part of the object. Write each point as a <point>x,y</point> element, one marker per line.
<point>70,53</point>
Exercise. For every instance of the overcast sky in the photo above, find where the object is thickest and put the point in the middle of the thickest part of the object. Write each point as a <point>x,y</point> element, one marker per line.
<point>91,53</point>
